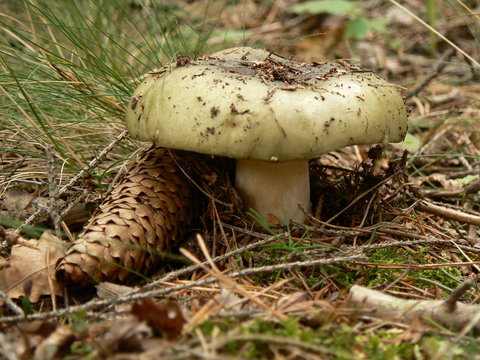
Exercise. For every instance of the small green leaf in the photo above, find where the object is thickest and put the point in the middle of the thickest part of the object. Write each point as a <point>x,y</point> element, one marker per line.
<point>411,143</point>
<point>230,36</point>
<point>358,28</point>
<point>468,179</point>
<point>26,306</point>
<point>333,7</point>
<point>377,24</point>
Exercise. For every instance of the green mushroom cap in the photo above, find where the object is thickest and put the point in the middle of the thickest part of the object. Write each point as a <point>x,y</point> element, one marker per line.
<point>247,103</point>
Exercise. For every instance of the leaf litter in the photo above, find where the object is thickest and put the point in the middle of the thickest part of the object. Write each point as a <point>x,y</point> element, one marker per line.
<point>421,210</point>
<point>31,269</point>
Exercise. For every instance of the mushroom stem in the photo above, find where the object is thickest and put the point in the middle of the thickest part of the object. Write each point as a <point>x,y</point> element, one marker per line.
<point>275,189</point>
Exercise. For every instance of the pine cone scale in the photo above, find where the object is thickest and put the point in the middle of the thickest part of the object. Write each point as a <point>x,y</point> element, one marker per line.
<point>146,214</point>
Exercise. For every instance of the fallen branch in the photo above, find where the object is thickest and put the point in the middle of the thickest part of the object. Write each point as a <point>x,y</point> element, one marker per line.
<point>380,305</point>
<point>102,304</point>
<point>448,213</point>
<point>417,266</point>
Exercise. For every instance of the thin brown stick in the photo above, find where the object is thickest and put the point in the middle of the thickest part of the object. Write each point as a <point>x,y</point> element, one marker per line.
<point>101,304</point>
<point>451,302</point>
<point>416,266</point>
<point>437,71</point>
<point>452,44</point>
<point>14,307</point>
<point>452,214</point>
<point>53,204</point>
<point>376,186</point>
<point>228,282</point>
<point>77,177</point>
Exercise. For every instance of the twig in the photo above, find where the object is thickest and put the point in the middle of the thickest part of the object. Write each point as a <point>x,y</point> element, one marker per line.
<point>456,47</point>
<point>98,304</point>
<point>448,213</point>
<point>94,161</point>
<point>176,274</point>
<point>77,177</point>
<point>299,264</point>
<point>384,229</point>
<point>228,282</point>
<point>417,266</point>
<point>14,307</point>
<point>438,69</point>
<point>380,305</point>
<point>53,204</point>
<point>451,302</point>
<point>422,241</point>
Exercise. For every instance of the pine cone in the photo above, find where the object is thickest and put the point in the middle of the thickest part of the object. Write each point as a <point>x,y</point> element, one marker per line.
<point>143,217</point>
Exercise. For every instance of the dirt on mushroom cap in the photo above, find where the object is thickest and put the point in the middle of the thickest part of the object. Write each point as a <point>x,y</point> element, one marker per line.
<point>274,109</point>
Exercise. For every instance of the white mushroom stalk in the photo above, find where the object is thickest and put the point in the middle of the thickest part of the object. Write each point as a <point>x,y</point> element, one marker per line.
<point>275,190</point>
<point>270,113</point>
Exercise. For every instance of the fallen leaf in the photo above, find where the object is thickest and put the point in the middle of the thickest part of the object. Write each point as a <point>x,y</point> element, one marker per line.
<point>32,267</point>
<point>9,235</point>
<point>229,300</point>
<point>108,290</point>
<point>166,319</point>
<point>126,335</point>
<point>57,344</point>
<point>27,336</point>
<point>19,204</point>
<point>445,182</point>
<point>413,333</point>
<point>298,302</point>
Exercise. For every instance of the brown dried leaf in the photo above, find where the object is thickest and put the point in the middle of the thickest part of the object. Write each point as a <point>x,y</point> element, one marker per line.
<point>166,319</point>
<point>27,336</point>
<point>9,235</point>
<point>19,204</point>
<point>230,301</point>
<point>108,290</point>
<point>444,181</point>
<point>126,335</point>
<point>56,345</point>
<point>32,268</point>
<point>298,302</point>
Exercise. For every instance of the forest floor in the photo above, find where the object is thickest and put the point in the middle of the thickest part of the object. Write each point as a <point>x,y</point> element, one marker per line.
<point>402,220</point>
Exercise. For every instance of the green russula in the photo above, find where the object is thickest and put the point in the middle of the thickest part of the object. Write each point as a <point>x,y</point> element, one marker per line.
<point>270,113</point>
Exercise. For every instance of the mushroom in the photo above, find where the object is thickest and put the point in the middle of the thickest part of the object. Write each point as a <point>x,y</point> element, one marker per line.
<point>269,113</point>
